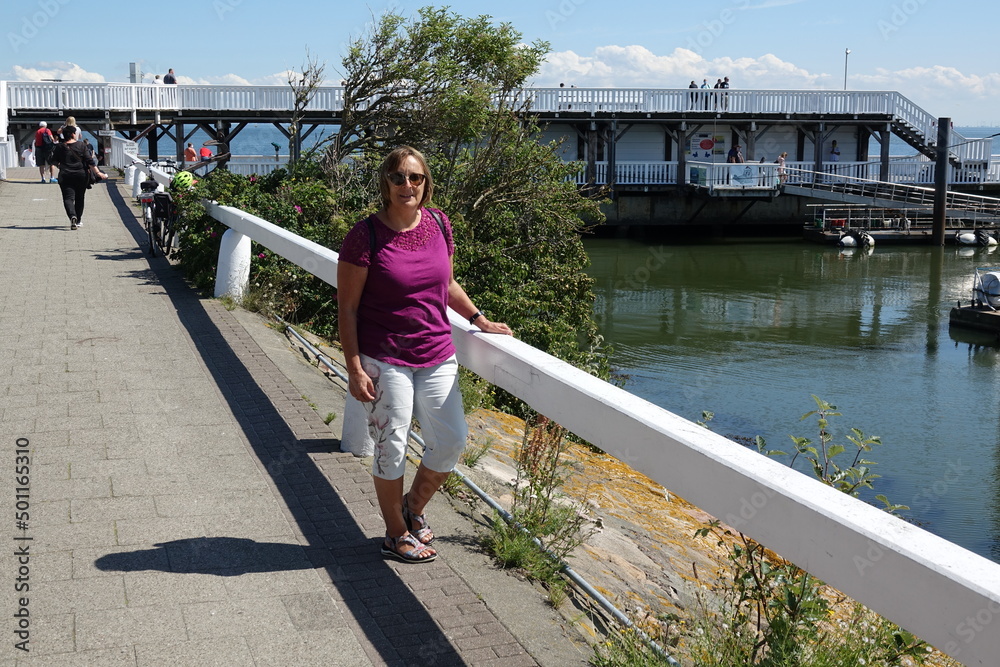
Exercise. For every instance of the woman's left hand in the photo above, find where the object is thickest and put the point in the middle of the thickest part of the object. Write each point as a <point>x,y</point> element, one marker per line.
<point>493,327</point>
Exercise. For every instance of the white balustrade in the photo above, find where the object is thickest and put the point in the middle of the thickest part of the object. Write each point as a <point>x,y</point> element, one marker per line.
<point>945,594</point>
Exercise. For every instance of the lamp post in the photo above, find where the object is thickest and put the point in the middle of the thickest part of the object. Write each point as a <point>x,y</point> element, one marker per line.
<point>847,52</point>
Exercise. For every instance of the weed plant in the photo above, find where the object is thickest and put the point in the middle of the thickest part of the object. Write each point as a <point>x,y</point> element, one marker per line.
<point>540,511</point>
<point>771,613</point>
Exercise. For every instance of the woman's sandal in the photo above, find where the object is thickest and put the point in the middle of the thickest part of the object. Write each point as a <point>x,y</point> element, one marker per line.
<point>390,547</point>
<point>417,524</point>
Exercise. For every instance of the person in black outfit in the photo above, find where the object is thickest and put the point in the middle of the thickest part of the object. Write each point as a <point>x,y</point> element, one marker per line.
<point>169,77</point>
<point>74,160</point>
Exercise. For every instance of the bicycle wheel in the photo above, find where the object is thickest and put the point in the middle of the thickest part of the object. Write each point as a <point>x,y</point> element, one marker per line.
<point>168,235</point>
<point>158,221</point>
<point>149,219</point>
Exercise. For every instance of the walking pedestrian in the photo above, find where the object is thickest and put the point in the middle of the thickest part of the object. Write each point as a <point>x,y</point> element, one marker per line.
<point>44,143</point>
<point>74,160</point>
<point>395,285</point>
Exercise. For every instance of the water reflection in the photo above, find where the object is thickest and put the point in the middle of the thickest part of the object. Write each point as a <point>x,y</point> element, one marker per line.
<point>749,331</point>
<point>982,348</point>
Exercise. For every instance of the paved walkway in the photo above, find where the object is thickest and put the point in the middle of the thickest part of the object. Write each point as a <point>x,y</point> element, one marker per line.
<point>183,503</point>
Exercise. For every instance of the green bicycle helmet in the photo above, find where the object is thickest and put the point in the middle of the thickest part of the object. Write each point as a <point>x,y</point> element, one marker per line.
<point>182,180</point>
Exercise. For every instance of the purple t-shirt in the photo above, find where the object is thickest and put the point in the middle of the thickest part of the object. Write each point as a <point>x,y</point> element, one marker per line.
<point>403,312</point>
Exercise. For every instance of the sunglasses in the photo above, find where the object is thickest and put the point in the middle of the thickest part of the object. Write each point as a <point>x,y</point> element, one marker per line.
<point>398,178</point>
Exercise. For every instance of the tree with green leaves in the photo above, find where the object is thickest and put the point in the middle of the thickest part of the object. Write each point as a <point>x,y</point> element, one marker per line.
<point>456,89</point>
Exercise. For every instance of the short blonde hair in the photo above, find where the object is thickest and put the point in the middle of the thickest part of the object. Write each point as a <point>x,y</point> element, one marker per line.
<point>391,163</point>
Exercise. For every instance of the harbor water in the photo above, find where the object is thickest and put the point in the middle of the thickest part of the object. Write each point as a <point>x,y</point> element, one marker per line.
<point>750,331</point>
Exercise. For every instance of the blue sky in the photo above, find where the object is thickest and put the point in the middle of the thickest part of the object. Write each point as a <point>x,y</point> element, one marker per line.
<point>941,55</point>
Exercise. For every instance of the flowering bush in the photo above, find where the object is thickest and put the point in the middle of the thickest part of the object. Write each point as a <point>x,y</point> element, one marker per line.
<point>302,204</point>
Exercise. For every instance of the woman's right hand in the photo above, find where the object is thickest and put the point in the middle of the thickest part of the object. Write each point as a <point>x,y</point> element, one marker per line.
<point>361,386</point>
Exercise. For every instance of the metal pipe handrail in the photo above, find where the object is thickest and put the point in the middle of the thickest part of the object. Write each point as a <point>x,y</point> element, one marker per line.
<point>606,604</point>
<point>913,194</point>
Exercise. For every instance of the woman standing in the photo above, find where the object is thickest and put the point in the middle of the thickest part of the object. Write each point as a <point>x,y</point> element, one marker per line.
<point>782,176</point>
<point>74,160</point>
<point>395,284</point>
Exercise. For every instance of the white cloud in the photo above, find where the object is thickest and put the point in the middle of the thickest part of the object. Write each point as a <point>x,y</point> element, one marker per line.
<point>65,71</point>
<point>223,80</point>
<point>637,66</point>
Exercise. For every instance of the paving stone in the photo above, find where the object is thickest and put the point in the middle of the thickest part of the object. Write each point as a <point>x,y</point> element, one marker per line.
<point>52,634</point>
<point>77,595</point>
<point>217,652</point>
<point>313,611</point>
<point>122,656</point>
<point>243,618</point>
<point>156,588</point>
<point>128,627</point>
<point>88,534</point>
<point>318,647</point>
<point>154,530</point>
<point>93,509</point>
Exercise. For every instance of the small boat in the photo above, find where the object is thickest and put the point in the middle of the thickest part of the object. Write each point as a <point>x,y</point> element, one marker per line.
<point>983,310</point>
<point>856,238</point>
<point>978,237</point>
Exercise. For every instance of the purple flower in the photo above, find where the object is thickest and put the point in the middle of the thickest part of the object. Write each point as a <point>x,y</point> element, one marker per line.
<point>298,208</point>
<point>261,255</point>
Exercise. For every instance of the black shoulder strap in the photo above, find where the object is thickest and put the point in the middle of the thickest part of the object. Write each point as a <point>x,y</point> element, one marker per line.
<point>436,214</point>
<point>437,218</point>
<point>371,239</point>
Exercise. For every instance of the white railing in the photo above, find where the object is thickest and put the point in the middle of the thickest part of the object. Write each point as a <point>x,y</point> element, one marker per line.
<point>8,155</point>
<point>248,165</point>
<point>945,594</point>
<point>148,97</point>
<point>70,97</point>
<point>124,96</point>
<point>917,171</point>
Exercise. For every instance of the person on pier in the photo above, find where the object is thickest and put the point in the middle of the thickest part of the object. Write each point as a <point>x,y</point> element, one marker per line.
<point>395,283</point>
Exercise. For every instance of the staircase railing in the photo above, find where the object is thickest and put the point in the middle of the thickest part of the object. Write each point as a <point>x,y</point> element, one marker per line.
<point>899,193</point>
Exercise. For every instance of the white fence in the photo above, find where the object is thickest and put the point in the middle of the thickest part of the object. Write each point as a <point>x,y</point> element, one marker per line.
<point>8,155</point>
<point>912,172</point>
<point>945,594</point>
<point>127,97</point>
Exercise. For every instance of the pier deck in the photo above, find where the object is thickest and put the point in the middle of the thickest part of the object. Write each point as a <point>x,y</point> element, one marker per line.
<point>187,505</point>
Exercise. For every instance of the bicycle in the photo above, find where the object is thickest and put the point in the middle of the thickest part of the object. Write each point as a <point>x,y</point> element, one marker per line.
<point>159,215</point>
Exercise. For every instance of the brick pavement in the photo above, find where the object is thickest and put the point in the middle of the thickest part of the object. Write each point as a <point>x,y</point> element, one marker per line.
<point>187,505</point>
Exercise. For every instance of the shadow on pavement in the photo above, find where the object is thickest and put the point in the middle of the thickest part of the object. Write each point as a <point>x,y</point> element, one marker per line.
<point>392,617</point>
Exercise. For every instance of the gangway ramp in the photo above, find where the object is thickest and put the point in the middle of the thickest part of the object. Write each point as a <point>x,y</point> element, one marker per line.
<point>850,190</point>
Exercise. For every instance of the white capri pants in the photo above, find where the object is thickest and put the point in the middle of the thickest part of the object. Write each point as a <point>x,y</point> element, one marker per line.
<point>430,394</point>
